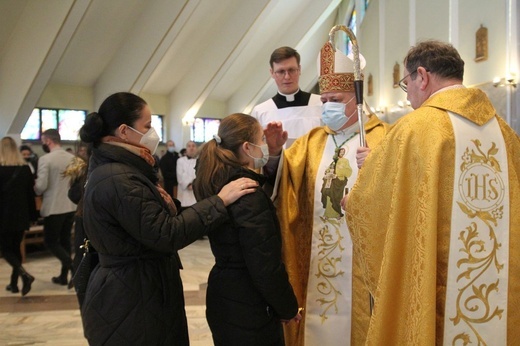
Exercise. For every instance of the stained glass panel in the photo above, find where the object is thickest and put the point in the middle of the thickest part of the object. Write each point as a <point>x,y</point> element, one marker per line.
<point>31,130</point>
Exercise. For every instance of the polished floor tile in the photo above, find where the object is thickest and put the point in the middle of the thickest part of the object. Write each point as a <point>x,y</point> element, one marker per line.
<point>49,314</point>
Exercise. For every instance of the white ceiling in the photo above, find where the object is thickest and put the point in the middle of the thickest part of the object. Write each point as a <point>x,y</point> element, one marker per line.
<point>191,51</point>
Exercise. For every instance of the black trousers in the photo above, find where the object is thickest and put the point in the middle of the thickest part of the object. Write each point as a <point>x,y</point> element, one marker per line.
<point>10,246</point>
<point>57,233</point>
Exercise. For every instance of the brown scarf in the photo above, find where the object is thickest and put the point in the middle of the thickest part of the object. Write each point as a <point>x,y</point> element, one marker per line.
<point>145,154</point>
<point>135,149</point>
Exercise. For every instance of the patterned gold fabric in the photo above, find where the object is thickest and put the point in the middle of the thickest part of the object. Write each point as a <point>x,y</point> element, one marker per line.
<point>336,82</point>
<point>295,210</point>
<point>329,81</point>
<point>399,215</point>
<point>327,59</point>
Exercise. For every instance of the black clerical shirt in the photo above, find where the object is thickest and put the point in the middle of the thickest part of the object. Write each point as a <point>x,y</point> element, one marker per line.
<point>301,98</point>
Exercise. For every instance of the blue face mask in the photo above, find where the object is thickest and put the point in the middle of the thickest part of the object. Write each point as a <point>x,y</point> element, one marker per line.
<point>333,114</point>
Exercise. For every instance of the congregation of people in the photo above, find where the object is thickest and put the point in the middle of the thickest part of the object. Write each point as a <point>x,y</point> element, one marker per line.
<point>318,238</point>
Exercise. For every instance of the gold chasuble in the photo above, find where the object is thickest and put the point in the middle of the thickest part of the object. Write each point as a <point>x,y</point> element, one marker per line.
<point>317,250</point>
<point>436,209</point>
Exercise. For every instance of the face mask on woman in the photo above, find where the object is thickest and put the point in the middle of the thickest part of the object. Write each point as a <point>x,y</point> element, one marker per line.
<point>260,162</point>
<point>333,114</point>
<point>149,140</point>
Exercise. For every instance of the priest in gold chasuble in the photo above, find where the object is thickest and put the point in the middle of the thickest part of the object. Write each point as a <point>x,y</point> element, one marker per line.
<point>318,170</point>
<point>435,214</point>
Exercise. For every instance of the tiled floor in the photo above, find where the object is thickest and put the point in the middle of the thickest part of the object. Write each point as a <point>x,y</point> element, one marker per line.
<point>49,314</point>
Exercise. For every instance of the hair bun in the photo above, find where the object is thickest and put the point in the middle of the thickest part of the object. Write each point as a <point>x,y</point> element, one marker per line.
<point>93,129</point>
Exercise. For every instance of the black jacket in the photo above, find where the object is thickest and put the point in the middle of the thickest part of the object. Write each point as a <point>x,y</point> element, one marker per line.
<point>168,166</point>
<point>135,295</point>
<point>248,288</point>
<point>17,204</point>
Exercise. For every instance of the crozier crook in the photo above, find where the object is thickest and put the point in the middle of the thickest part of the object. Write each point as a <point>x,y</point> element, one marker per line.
<point>358,79</point>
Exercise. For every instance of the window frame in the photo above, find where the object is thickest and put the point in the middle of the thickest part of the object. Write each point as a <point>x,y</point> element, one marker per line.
<point>57,120</point>
<point>160,131</point>
<point>204,120</point>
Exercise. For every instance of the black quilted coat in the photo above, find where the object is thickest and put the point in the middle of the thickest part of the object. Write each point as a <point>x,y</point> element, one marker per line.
<point>135,295</point>
<point>248,288</point>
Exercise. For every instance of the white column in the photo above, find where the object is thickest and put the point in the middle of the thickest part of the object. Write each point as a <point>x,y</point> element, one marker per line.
<point>412,31</point>
<point>512,62</point>
<point>454,23</point>
<point>382,51</point>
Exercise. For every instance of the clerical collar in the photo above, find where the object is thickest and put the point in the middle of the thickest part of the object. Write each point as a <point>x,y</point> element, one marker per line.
<point>298,99</point>
<point>289,97</point>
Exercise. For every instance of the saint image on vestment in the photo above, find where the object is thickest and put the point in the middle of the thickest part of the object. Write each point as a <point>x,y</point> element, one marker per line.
<point>334,183</point>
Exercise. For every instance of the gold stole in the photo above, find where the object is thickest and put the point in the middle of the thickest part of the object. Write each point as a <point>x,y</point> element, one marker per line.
<point>477,286</point>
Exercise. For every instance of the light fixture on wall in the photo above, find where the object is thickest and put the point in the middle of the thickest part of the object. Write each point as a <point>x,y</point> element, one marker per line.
<point>188,120</point>
<point>509,80</point>
<point>380,110</point>
<point>189,117</point>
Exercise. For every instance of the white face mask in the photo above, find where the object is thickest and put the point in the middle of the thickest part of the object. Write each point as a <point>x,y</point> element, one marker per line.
<point>260,162</point>
<point>149,140</point>
<point>333,114</point>
<point>171,149</point>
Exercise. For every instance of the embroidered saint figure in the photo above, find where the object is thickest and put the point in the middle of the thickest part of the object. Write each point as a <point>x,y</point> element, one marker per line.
<point>334,184</point>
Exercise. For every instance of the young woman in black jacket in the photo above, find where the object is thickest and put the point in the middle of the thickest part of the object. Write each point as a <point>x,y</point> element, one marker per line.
<point>135,296</point>
<point>249,294</point>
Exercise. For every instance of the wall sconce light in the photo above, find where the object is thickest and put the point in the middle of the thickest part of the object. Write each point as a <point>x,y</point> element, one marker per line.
<point>500,82</point>
<point>381,110</point>
<point>188,120</point>
<point>189,117</point>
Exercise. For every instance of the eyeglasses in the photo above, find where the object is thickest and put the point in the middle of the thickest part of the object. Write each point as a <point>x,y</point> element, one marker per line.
<point>291,72</point>
<point>404,85</point>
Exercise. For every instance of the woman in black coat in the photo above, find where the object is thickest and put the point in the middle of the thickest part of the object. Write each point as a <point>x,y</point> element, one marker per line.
<point>135,296</point>
<point>17,209</point>
<point>249,294</point>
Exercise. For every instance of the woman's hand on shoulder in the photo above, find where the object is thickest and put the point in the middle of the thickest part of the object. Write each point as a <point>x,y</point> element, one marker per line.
<point>236,189</point>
